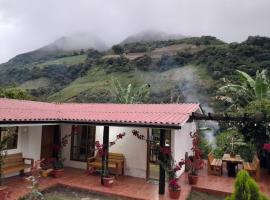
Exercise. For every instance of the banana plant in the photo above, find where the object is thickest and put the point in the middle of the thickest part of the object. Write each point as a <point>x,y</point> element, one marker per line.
<point>249,89</point>
<point>129,94</point>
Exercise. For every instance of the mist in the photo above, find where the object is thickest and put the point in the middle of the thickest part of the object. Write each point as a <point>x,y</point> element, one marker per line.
<point>26,25</point>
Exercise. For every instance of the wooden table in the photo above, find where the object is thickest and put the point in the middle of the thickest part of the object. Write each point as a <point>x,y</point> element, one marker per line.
<point>232,162</point>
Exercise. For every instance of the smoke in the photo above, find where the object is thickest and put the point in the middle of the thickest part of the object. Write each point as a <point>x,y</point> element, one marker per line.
<point>191,88</point>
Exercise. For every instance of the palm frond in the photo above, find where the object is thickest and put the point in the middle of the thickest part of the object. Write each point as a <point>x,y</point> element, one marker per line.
<point>247,78</point>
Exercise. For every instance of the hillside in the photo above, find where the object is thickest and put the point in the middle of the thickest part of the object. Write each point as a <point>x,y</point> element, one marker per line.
<point>151,36</point>
<point>188,69</point>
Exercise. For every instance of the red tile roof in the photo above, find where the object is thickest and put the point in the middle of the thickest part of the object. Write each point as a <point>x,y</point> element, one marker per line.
<point>126,114</point>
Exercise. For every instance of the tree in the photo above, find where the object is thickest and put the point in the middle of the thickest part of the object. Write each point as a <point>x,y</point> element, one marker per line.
<point>14,93</point>
<point>117,49</point>
<point>245,188</point>
<point>248,89</point>
<point>129,94</point>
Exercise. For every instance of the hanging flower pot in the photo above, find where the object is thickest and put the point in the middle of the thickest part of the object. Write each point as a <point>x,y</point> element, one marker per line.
<point>193,179</point>
<point>174,193</point>
<point>108,181</point>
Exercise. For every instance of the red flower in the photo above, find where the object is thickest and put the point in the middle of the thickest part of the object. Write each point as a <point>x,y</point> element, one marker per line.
<point>174,184</point>
<point>166,150</point>
<point>266,147</point>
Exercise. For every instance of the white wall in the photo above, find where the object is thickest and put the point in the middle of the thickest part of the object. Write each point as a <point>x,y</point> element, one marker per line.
<point>181,142</point>
<point>29,143</point>
<point>134,149</point>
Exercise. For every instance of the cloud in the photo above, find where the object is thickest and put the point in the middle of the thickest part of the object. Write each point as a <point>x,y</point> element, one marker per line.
<point>28,24</point>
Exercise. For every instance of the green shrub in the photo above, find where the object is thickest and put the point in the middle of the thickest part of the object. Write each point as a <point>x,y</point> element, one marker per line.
<point>143,62</point>
<point>205,146</point>
<point>117,49</point>
<point>246,151</point>
<point>245,188</point>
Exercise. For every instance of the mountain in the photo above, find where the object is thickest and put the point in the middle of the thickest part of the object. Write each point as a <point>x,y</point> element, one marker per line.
<point>189,69</point>
<point>150,36</point>
<point>76,42</point>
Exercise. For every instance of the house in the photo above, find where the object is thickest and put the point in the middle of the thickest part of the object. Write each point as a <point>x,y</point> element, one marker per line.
<point>39,125</point>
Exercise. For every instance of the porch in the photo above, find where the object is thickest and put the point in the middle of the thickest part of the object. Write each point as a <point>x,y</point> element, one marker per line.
<point>133,188</point>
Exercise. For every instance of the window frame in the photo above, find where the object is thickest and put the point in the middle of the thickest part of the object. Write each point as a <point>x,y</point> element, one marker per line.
<point>89,130</point>
<point>16,138</point>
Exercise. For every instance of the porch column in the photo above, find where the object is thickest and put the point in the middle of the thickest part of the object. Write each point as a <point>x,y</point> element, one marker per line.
<point>105,150</point>
<point>161,158</point>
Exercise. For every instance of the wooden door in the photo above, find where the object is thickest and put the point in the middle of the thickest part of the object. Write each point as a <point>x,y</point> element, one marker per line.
<point>47,141</point>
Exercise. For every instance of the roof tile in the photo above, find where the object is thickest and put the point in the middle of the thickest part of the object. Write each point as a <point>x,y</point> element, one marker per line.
<point>22,110</point>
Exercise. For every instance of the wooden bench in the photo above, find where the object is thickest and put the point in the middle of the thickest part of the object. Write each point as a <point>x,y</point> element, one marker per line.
<point>253,168</point>
<point>115,163</point>
<point>14,163</point>
<point>214,165</point>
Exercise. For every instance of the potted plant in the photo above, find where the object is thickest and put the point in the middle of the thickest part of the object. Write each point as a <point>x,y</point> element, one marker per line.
<point>3,154</point>
<point>171,168</point>
<point>47,166</point>
<point>58,165</point>
<point>195,162</point>
<point>107,179</point>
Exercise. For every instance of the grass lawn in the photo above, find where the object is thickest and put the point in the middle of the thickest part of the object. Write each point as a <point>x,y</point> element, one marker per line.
<point>66,193</point>
<point>194,195</point>
<point>68,61</point>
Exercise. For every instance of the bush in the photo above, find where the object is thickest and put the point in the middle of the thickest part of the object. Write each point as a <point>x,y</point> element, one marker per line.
<point>245,188</point>
<point>204,146</point>
<point>119,64</point>
<point>223,141</point>
<point>117,49</point>
<point>143,62</point>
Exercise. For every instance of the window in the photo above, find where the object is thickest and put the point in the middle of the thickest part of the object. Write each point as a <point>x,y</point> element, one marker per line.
<point>154,143</point>
<point>82,142</point>
<point>11,143</point>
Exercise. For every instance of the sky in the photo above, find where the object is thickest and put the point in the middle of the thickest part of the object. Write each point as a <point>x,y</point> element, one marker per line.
<point>26,25</point>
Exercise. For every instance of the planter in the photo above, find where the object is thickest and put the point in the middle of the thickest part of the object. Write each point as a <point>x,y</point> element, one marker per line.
<point>3,192</point>
<point>192,179</point>
<point>108,181</point>
<point>46,173</point>
<point>174,194</point>
<point>57,173</point>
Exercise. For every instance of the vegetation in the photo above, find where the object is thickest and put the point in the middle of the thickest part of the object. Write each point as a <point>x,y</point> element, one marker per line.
<point>118,64</point>
<point>14,93</point>
<point>129,94</point>
<point>117,49</point>
<point>248,89</point>
<point>205,147</point>
<point>3,153</point>
<point>57,72</point>
<point>224,145</point>
<point>245,188</point>
<point>194,195</point>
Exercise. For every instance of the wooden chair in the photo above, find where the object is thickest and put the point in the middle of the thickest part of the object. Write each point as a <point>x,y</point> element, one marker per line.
<point>16,163</point>
<point>253,168</point>
<point>115,163</point>
<point>214,165</point>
